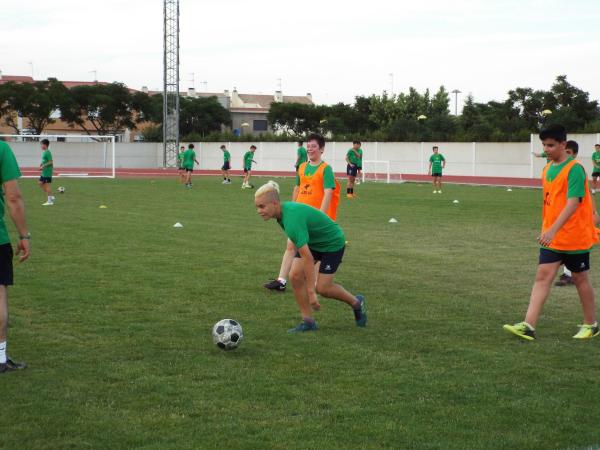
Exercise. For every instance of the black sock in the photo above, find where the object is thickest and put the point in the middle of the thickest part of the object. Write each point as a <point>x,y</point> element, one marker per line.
<point>357,313</point>
<point>352,190</point>
<point>348,190</point>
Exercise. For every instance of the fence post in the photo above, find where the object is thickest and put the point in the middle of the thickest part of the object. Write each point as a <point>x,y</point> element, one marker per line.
<point>422,157</point>
<point>333,158</point>
<point>473,167</point>
<point>530,157</point>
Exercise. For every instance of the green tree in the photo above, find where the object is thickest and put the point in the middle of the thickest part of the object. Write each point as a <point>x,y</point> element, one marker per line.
<point>296,119</point>
<point>201,115</point>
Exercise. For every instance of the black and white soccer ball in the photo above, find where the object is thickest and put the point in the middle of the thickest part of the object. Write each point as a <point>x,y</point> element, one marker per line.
<point>227,334</point>
<point>61,189</point>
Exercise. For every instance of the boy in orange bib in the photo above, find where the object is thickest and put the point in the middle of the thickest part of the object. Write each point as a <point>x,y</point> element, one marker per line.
<point>567,236</point>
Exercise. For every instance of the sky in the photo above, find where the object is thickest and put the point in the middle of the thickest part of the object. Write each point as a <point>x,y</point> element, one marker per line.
<point>334,50</point>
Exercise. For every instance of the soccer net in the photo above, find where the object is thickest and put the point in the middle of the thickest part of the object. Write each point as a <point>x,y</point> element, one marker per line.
<point>79,156</point>
<point>377,171</point>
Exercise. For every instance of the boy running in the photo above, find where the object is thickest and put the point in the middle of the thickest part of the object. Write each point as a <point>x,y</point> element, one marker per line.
<point>301,156</point>
<point>189,158</point>
<point>316,238</point>
<point>180,168</point>
<point>596,171</point>
<point>437,163</point>
<point>46,168</point>
<point>315,186</point>
<point>352,160</point>
<point>226,165</point>
<point>567,236</point>
<point>248,160</point>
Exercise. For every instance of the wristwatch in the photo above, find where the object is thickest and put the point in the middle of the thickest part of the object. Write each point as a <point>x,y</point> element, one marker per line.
<point>26,237</point>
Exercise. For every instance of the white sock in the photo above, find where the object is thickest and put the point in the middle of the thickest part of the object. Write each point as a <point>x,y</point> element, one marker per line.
<point>282,280</point>
<point>2,352</point>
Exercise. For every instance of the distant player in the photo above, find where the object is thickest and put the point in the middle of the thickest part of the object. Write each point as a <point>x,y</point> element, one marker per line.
<point>437,163</point>
<point>567,236</point>
<point>248,160</point>
<point>352,161</point>
<point>359,166</point>
<point>542,155</point>
<point>596,171</point>
<point>301,156</point>
<point>180,168</point>
<point>316,238</point>
<point>10,195</point>
<point>46,169</point>
<point>189,158</point>
<point>226,165</point>
<point>315,186</point>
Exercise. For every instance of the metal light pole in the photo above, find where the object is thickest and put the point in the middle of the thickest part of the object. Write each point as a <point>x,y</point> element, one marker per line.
<point>456,92</point>
<point>171,82</point>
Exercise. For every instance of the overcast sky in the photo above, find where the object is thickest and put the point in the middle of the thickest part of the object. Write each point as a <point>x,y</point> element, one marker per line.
<point>333,49</point>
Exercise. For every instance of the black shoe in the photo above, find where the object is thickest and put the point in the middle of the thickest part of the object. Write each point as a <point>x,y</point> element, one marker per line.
<point>275,285</point>
<point>564,280</point>
<point>11,366</point>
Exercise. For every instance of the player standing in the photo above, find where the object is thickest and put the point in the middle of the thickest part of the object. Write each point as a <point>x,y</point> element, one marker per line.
<point>352,161</point>
<point>316,238</point>
<point>301,156</point>
<point>180,168</point>
<point>567,236</point>
<point>596,171</point>
<point>11,196</point>
<point>46,169</point>
<point>189,158</point>
<point>437,163</point>
<point>248,160</point>
<point>226,165</point>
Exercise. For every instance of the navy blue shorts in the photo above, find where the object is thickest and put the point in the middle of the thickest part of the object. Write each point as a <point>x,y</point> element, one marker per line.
<point>6,265</point>
<point>596,174</point>
<point>189,170</point>
<point>226,166</point>
<point>436,174</point>
<point>45,180</point>
<point>330,261</point>
<point>246,170</point>
<point>575,262</point>
<point>351,170</point>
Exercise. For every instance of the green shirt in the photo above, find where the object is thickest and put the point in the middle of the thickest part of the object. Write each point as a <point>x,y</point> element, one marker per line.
<point>9,170</point>
<point>302,156</point>
<point>248,160</point>
<point>47,157</point>
<point>544,155</point>
<point>436,162</point>
<point>189,157</point>
<point>596,161</point>
<point>305,225</point>
<point>180,157</point>
<point>226,156</point>
<point>352,157</point>
<point>328,178</point>
<point>575,189</point>
<point>360,153</point>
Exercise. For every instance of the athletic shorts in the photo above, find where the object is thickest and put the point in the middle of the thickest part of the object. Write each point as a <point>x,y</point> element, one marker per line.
<point>45,180</point>
<point>595,174</point>
<point>226,166</point>
<point>351,171</point>
<point>358,167</point>
<point>6,265</point>
<point>330,261</point>
<point>246,169</point>
<point>189,170</point>
<point>575,262</point>
<point>436,174</point>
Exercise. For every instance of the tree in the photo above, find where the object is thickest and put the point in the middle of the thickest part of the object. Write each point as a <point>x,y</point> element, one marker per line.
<point>296,118</point>
<point>201,115</point>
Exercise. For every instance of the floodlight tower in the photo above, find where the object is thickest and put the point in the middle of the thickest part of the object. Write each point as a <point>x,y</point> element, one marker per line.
<point>171,83</point>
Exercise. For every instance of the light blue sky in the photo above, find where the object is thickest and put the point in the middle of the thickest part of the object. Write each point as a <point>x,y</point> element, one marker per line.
<point>332,49</point>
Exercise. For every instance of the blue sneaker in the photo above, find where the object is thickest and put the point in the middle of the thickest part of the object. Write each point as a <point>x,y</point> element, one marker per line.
<point>362,322</point>
<point>304,326</point>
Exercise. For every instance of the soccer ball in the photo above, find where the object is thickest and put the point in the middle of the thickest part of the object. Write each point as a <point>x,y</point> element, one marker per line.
<point>61,189</point>
<point>227,334</point>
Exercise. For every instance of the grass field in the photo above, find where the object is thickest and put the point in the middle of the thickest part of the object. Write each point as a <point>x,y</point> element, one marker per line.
<point>113,314</point>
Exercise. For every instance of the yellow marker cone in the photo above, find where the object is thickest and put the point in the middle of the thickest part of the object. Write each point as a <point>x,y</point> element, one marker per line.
<point>103,206</point>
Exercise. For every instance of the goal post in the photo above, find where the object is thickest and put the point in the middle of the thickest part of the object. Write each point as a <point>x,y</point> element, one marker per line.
<point>376,170</point>
<point>74,155</point>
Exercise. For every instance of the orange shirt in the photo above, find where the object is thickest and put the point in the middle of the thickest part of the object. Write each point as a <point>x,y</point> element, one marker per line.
<point>311,190</point>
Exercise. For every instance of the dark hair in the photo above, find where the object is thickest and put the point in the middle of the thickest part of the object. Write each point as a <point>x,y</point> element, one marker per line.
<point>46,142</point>
<point>356,142</point>
<point>316,137</point>
<point>191,146</point>
<point>300,143</point>
<point>253,146</point>
<point>597,145</point>
<point>573,145</point>
<point>222,146</point>
<point>555,131</point>
<point>435,146</point>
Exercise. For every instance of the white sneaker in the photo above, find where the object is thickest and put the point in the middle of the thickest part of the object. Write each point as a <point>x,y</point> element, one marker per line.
<point>439,192</point>
<point>224,182</point>
<point>48,204</point>
<point>435,192</point>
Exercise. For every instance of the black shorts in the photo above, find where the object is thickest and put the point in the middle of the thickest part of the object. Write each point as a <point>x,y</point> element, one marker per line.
<point>189,170</point>
<point>595,174</point>
<point>358,167</point>
<point>6,265</point>
<point>351,171</point>
<point>226,166</point>
<point>246,170</point>
<point>45,180</point>
<point>575,262</point>
<point>436,174</point>
<point>330,261</point>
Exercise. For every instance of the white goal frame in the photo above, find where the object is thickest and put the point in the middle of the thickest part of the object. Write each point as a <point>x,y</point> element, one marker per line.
<point>111,140</point>
<point>385,163</point>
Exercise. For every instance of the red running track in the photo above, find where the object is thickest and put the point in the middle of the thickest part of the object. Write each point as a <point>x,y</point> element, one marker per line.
<point>149,173</point>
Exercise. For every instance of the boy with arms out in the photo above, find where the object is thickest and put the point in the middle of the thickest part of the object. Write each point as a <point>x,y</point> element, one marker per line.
<point>46,168</point>
<point>437,163</point>
<point>315,186</point>
<point>248,160</point>
<point>352,160</point>
<point>316,238</point>
<point>567,236</point>
<point>226,165</point>
<point>189,158</point>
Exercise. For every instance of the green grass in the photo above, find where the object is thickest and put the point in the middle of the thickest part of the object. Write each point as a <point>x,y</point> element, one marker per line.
<point>113,313</point>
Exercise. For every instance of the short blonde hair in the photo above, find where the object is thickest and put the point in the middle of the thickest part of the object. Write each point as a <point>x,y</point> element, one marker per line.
<point>271,190</point>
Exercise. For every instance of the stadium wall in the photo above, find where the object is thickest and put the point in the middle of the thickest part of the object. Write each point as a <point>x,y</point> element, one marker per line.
<point>487,159</point>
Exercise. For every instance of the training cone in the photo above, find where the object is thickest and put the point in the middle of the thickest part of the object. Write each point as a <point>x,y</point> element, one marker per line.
<point>103,206</point>
<point>455,201</point>
<point>177,225</point>
<point>392,220</point>
<point>509,190</point>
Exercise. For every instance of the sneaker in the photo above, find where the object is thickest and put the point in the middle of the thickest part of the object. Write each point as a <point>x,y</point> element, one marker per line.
<point>564,280</point>
<point>224,182</point>
<point>227,182</point>
<point>587,331</point>
<point>521,329</point>
<point>303,327</point>
<point>435,192</point>
<point>362,322</point>
<point>11,366</point>
<point>48,204</point>
<point>275,285</point>
<point>439,192</point>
